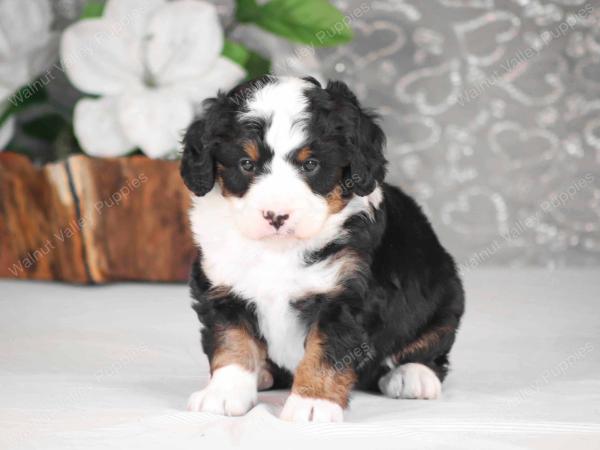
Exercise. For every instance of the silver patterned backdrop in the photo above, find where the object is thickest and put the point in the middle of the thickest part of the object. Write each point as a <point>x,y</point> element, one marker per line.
<point>492,112</point>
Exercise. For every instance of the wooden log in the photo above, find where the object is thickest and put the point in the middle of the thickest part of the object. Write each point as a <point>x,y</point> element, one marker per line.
<point>90,220</point>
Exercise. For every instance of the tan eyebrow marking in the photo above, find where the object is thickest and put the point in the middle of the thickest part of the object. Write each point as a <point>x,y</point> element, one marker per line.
<point>251,150</point>
<point>303,154</point>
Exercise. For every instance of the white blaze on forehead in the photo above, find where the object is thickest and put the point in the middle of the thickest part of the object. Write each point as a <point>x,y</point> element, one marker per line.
<point>283,185</point>
<point>283,105</point>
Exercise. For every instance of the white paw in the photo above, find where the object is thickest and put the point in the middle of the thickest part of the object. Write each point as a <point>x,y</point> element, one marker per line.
<point>231,392</point>
<point>411,380</point>
<point>307,409</point>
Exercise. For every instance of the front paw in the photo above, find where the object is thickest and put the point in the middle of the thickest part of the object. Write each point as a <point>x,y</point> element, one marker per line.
<point>231,392</point>
<point>308,409</point>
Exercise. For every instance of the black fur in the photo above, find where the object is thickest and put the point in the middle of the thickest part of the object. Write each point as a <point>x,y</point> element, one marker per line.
<point>197,166</point>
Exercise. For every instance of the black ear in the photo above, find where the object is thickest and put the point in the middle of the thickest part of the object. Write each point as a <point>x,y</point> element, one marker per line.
<point>365,140</point>
<point>197,166</point>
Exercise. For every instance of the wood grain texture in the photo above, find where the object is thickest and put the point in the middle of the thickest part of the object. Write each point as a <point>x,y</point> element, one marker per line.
<point>89,220</point>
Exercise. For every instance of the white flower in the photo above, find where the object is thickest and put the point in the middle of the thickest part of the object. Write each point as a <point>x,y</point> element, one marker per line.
<point>6,131</point>
<point>27,47</point>
<point>151,62</point>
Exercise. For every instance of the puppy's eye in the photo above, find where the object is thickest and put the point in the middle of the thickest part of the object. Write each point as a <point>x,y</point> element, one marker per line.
<point>247,165</point>
<point>310,165</point>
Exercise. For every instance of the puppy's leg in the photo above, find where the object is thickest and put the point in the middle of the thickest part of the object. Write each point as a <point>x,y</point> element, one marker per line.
<point>320,390</point>
<point>237,371</point>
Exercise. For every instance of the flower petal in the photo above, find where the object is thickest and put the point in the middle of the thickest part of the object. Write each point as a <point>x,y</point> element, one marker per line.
<point>185,38</point>
<point>97,58</point>
<point>97,127</point>
<point>13,76</point>
<point>43,55</point>
<point>23,24</point>
<point>132,15</point>
<point>27,46</point>
<point>25,67</point>
<point>223,75</point>
<point>6,131</point>
<point>155,120</point>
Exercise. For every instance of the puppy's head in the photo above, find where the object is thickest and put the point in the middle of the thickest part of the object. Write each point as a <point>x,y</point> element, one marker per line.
<point>285,154</point>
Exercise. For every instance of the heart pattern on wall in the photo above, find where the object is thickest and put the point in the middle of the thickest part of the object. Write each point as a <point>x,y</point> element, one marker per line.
<point>416,133</point>
<point>491,108</point>
<point>433,90</point>
<point>520,147</point>
<point>484,39</point>
<point>469,212</point>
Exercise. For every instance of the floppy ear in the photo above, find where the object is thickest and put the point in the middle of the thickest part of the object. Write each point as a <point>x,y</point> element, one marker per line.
<point>365,141</point>
<point>197,166</point>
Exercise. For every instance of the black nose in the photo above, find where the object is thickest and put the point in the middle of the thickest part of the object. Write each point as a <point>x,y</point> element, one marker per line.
<point>275,220</point>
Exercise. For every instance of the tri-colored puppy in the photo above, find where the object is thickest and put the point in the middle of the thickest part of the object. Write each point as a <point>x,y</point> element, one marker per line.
<point>312,271</point>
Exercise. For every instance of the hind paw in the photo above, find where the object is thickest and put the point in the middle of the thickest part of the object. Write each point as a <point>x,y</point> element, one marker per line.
<point>412,380</point>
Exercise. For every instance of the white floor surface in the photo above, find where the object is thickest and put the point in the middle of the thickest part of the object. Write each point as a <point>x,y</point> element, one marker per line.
<point>111,367</point>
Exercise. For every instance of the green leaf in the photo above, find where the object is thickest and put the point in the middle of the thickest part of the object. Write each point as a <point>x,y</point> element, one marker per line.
<point>246,10</point>
<point>257,65</point>
<point>46,128</point>
<point>22,99</point>
<point>92,9</point>
<point>236,52</point>
<point>314,22</point>
<point>254,63</point>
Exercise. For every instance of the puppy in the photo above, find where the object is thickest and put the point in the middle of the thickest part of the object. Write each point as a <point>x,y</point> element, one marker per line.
<point>312,271</point>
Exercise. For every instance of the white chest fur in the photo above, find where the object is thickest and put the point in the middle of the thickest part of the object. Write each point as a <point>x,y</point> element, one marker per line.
<point>268,275</point>
<point>263,273</point>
